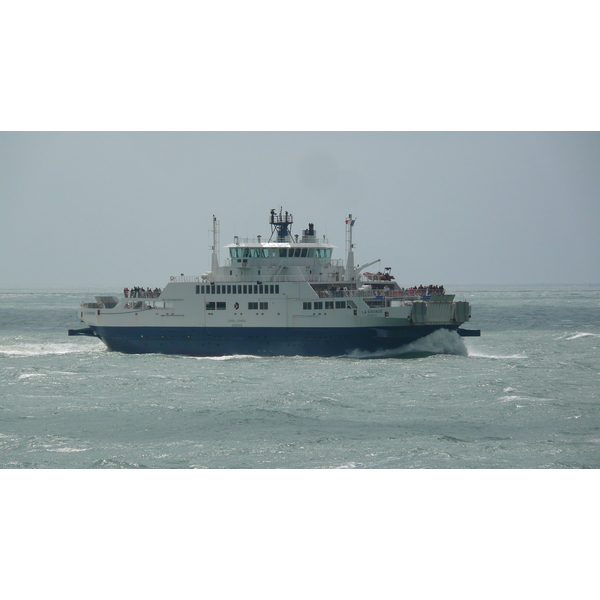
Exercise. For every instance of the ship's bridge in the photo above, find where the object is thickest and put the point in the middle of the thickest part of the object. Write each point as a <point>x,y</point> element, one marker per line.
<point>277,251</point>
<point>289,253</point>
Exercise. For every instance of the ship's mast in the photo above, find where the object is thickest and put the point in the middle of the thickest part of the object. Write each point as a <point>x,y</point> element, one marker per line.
<point>216,247</point>
<point>349,249</point>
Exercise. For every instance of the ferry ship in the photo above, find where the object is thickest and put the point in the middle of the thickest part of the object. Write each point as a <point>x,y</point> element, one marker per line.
<point>285,296</point>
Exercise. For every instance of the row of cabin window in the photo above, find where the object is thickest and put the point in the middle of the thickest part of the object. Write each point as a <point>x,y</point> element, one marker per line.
<point>223,306</point>
<point>237,289</point>
<point>329,305</point>
<point>281,252</point>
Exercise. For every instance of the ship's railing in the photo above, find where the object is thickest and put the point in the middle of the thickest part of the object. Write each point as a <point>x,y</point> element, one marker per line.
<point>366,294</point>
<point>185,278</point>
<point>401,294</point>
<point>299,278</point>
<point>148,304</point>
<point>260,241</point>
<point>97,304</point>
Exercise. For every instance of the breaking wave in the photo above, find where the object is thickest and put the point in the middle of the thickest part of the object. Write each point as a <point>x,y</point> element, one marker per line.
<point>441,341</point>
<point>578,335</point>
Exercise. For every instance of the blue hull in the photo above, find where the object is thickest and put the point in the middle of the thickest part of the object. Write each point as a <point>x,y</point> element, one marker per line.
<point>223,341</point>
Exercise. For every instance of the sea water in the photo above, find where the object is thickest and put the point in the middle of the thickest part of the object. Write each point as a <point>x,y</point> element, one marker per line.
<point>526,394</point>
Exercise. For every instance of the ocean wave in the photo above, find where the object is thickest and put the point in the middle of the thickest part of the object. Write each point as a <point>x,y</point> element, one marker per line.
<point>578,335</point>
<point>474,354</point>
<point>227,357</point>
<point>109,463</point>
<point>50,349</point>
<point>517,397</point>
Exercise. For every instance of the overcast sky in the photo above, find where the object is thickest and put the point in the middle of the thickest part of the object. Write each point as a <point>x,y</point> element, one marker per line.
<point>126,209</point>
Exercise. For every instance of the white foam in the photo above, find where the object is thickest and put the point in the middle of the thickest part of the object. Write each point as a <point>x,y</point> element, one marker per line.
<point>228,357</point>
<point>51,349</point>
<point>524,399</point>
<point>511,398</point>
<point>473,354</point>
<point>581,335</point>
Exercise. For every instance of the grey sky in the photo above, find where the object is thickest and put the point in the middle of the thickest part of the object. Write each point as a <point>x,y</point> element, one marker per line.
<point>134,208</point>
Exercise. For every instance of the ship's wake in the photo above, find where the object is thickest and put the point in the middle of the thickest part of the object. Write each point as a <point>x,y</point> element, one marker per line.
<point>441,341</point>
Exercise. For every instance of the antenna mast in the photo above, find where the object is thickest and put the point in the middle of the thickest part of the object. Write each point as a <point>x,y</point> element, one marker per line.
<point>349,249</point>
<point>216,245</point>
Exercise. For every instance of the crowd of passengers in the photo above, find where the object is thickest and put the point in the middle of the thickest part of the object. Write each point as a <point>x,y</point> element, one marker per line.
<point>140,292</point>
<point>428,290</point>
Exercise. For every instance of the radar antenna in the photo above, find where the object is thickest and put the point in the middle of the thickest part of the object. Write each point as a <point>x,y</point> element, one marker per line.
<point>282,224</point>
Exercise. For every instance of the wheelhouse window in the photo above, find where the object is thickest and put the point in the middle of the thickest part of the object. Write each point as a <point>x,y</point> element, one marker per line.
<point>240,252</point>
<point>307,305</point>
<point>323,252</point>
